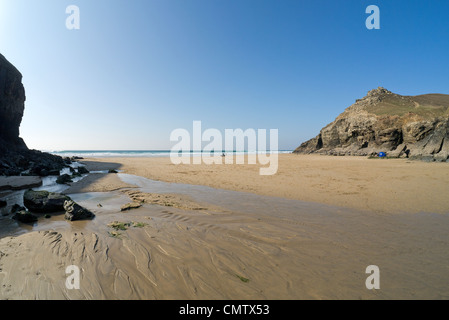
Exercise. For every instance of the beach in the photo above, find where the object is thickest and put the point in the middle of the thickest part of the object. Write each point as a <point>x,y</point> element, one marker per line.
<point>379,185</point>
<point>224,150</point>
<point>224,232</point>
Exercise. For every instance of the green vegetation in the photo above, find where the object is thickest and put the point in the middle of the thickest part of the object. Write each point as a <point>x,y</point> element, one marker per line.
<point>123,226</point>
<point>426,106</point>
<point>243,279</point>
<point>139,225</point>
<point>116,225</point>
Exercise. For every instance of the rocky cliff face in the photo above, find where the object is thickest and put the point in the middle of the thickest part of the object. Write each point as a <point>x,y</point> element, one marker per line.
<point>401,126</point>
<point>15,158</point>
<point>12,104</point>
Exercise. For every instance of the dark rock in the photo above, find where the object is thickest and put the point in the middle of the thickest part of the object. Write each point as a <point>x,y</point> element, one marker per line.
<point>113,171</point>
<point>37,164</point>
<point>16,208</point>
<point>75,212</point>
<point>83,170</point>
<point>24,216</point>
<point>35,171</point>
<point>12,104</point>
<point>75,175</point>
<point>15,157</point>
<point>3,204</point>
<point>64,179</point>
<point>44,201</point>
<point>54,172</point>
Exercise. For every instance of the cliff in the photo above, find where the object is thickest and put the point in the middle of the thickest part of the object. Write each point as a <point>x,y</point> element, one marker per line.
<point>12,104</point>
<point>401,126</point>
<point>15,158</point>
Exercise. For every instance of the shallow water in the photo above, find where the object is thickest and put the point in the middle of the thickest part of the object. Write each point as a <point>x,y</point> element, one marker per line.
<point>289,248</point>
<point>235,201</point>
<point>112,201</point>
<point>232,200</point>
<point>10,227</point>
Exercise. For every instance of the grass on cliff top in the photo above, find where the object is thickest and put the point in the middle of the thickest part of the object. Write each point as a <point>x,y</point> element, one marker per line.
<point>427,106</point>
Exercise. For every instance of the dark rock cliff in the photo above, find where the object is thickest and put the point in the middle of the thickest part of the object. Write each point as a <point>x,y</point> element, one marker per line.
<point>12,105</point>
<point>401,126</point>
<point>15,158</point>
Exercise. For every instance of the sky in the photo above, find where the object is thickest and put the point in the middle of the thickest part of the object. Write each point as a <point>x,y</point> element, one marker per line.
<point>136,70</point>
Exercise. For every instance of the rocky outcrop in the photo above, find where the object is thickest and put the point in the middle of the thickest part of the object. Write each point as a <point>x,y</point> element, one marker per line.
<point>83,170</point>
<point>74,211</point>
<point>64,179</point>
<point>12,104</point>
<point>401,126</point>
<point>15,162</point>
<point>19,183</point>
<point>24,216</point>
<point>44,201</point>
<point>15,158</point>
<point>21,214</point>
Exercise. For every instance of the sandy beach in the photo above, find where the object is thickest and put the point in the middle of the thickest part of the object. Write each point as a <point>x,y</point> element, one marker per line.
<point>193,242</point>
<point>224,150</point>
<point>385,186</point>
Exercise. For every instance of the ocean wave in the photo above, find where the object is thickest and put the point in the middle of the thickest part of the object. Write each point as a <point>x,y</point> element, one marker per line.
<point>150,153</point>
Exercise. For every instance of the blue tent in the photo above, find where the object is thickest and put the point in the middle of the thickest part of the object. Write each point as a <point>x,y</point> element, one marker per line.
<point>382,155</point>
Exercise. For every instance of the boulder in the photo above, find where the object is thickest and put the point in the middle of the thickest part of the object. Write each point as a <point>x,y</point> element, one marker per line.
<point>75,212</point>
<point>24,216</point>
<point>442,156</point>
<point>44,201</point>
<point>64,179</point>
<point>16,208</point>
<point>75,175</point>
<point>3,204</point>
<point>83,170</point>
<point>397,152</point>
<point>54,172</point>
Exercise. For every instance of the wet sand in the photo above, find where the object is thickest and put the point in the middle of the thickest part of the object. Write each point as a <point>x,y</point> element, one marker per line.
<point>223,244</point>
<point>98,182</point>
<point>386,186</point>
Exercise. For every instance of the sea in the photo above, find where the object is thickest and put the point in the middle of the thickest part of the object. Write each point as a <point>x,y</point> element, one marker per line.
<point>145,153</point>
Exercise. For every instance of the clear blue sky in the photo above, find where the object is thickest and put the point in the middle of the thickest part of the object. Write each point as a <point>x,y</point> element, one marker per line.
<point>138,69</point>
